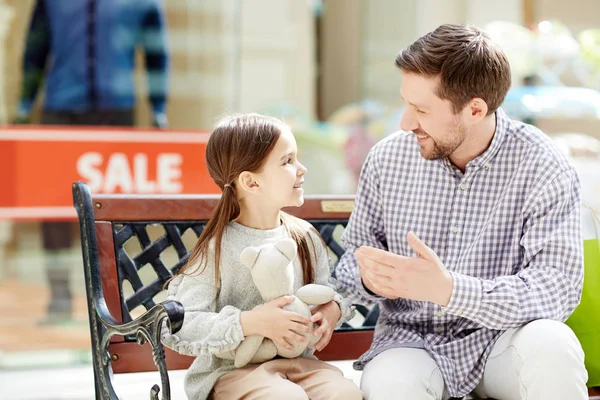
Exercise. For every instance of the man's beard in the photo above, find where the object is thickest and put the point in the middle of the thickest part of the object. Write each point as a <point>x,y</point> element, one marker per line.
<point>447,147</point>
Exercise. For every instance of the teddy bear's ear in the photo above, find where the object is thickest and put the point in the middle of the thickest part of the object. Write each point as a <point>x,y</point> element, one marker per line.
<point>249,256</point>
<point>288,247</point>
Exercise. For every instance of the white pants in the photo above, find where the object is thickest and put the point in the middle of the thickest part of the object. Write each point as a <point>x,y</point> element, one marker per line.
<point>541,360</point>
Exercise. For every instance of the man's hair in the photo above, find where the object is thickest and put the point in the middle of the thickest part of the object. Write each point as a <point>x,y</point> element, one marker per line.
<point>467,62</point>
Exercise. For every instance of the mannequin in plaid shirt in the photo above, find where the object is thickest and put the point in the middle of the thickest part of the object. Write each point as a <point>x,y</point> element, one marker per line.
<point>466,231</point>
<point>84,52</point>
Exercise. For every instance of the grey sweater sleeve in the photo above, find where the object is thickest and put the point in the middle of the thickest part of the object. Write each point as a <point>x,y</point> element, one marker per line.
<point>204,332</point>
<point>323,277</point>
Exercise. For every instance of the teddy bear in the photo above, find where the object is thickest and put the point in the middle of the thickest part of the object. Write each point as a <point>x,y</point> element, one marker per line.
<point>272,270</point>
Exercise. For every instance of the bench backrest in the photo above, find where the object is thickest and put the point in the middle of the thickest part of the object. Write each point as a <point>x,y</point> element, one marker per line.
<point>133,244</point>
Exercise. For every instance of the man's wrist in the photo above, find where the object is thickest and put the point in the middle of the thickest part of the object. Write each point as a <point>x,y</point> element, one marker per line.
<point>467,295</point>
<point>367,289</point>
<point>445,292</point>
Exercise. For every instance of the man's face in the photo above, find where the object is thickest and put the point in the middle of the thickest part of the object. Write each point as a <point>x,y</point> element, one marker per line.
<point>439,131</point>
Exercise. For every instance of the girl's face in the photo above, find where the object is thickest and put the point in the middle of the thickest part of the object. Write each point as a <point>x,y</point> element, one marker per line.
<point>281,178</point>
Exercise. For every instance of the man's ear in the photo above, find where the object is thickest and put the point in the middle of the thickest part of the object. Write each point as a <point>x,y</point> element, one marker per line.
<point>476,110</point>
<point>249,256</point>
<point>247,182</point>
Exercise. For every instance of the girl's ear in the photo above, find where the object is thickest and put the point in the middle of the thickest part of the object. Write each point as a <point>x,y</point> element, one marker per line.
<point>247,182</point>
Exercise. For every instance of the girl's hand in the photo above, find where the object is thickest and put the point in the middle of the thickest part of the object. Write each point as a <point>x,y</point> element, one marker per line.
<point>275,323</point>
<point>325,317</point>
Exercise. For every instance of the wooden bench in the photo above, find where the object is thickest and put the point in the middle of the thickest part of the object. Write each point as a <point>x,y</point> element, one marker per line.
<point>119,283</point>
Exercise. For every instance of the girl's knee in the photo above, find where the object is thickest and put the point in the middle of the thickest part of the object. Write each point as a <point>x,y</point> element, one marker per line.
<point>347,390</point>
<point>287,390</point>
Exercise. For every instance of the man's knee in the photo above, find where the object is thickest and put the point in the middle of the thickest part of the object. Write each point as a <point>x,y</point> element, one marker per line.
<point>403,388</point>
<point>551,343</point>
<point>402,373</point>
<point>380,385</point>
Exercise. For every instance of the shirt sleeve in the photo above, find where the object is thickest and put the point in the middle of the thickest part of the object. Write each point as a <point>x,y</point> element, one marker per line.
<point>365,228</point>
<point>37,49</point>
<point>550,282</point>
<point>204,331</point>
<point>155,44</point>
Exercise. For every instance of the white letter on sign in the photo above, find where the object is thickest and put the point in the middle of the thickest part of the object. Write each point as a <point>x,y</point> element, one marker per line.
<point>169,172</point>
<point>87,168</point>
<point>140,173</point>
<point>118,174</point>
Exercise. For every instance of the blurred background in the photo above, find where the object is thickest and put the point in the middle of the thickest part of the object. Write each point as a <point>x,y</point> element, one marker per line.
<point>132,86</point>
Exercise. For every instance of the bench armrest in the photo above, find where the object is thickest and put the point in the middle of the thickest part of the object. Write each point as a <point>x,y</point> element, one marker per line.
<point>147,328</point>
<point>103,326</point>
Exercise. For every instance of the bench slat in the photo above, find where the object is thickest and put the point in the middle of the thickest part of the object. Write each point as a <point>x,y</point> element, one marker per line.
<point>347,345</point>
<point>131,357</point>
<point>117,208</point>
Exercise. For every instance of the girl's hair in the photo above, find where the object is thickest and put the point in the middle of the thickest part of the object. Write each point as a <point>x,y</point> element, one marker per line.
<point>241,143</point>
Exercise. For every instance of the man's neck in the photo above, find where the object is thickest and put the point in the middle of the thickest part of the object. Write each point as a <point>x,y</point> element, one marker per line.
<point>476,142</point>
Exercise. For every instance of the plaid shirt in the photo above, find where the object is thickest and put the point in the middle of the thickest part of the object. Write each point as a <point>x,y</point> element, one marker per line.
<point>508,230</point>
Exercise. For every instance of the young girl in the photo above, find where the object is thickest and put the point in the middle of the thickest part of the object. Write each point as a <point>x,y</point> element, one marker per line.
<point>253,159</point>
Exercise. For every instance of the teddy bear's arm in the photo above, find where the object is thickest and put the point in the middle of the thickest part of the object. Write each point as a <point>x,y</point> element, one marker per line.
<point>315,295</point>
<point>247,349</point>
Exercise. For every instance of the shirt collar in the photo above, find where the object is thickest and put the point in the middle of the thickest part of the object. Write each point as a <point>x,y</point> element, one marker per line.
<point>487,157</point>
<point>502,126</point>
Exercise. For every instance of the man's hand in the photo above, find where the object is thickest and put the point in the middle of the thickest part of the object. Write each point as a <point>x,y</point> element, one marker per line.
<point>21,118</point>
<point>422,278</point>
<point>160,121</point>
<point>325,317</point>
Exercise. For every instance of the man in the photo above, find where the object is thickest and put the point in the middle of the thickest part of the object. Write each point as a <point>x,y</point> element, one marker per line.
<point>466,230</point>
<point>85,49</point>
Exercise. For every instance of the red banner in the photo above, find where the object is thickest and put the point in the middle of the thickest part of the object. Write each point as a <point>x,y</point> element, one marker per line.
<point>39,164</point>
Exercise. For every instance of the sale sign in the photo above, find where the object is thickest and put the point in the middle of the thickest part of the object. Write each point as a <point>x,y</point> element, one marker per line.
<point>39,165</point>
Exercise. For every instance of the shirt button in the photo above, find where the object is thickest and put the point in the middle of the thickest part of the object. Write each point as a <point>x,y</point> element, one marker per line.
<point>454,229</point>
<point>439,329</point>
<point>440,313</point>
<point>463,186</point>
<point>487,165</point>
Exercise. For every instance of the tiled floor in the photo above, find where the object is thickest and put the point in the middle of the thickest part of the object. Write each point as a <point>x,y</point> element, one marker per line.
<point>77,383</point>
<point>23,306</point>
